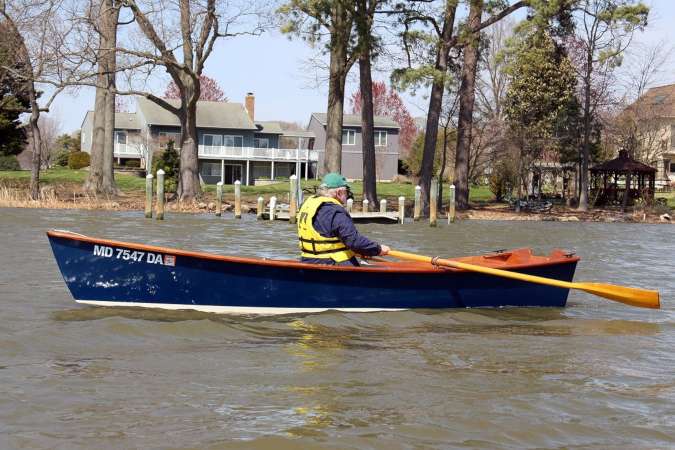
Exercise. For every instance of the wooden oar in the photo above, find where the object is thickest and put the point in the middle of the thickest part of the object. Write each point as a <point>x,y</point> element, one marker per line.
<point>642,298</point>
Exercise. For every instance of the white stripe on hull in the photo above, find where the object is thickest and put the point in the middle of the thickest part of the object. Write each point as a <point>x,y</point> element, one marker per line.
<point>231,309</point>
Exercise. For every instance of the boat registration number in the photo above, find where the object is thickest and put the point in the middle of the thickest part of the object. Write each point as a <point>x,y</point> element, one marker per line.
<point>134,255</point>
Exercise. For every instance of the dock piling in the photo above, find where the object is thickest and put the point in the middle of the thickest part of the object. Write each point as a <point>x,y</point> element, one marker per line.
<point>273,207</point>
<point>293,207</point>
<point>261,208</point>
<point>433,203</point>
<point>148,196</point>
<point>219,199</point>
<point>383,205</point>
<point>401,209</point>
<point>451,206</point>
<point>160,194</point>
<point>418,203</point>
<point>237,199</point>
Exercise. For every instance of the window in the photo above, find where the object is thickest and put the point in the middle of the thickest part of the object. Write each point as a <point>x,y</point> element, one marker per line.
<point>209,169</point>
<point>348,137</point>
<point>233,141</point>
<point>120,137</point>
<point>261,143</point>
<point>380,139</point>
<point>165,137</point>
<point>212,140</point>
<point>672,167</point>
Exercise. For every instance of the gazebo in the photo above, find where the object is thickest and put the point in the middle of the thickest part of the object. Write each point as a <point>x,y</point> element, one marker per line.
<point>612,179</point>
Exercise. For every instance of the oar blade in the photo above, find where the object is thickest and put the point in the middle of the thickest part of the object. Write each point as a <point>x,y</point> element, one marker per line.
<point>642,298</point>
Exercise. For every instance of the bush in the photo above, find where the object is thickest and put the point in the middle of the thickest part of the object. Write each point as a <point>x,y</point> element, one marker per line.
<point>61,158</point>
<point>78,160</point>
<point>135,163</point>
<point>9,162</point>
<point>169,162</point>
<point>503,179</point>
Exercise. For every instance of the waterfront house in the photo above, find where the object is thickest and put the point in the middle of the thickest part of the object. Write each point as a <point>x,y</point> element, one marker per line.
<point>235,146</point>
<point>232,145</point>
<point>653,116</point>
<point>386,145</point>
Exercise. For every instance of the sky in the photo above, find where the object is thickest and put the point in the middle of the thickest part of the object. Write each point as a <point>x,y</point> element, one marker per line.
<point>276,69</point>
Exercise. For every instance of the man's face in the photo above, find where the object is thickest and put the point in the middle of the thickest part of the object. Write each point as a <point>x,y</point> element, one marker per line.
<point>341,195</point>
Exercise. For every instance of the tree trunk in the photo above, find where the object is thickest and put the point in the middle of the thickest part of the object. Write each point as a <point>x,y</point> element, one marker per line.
<point>466,104</point>
<point>36,141</point>
<point>435,103</point>
<point>585,149</point>
<point>111,17</point>
<point>336,98</point>
<point>367,122</point>
<point>189,187</point>
<point>101,177</point>
<point>340,34</point>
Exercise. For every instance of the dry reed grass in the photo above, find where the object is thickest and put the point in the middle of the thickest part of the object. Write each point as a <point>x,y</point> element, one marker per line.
<point>11,197</point>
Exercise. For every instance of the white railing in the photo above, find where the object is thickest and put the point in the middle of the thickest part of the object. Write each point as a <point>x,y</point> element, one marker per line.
<point>274,154</point>
<point>130,150</point>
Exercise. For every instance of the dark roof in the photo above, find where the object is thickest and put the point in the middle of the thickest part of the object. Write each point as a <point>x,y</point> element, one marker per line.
<point>209,114</point>
<point>354,120</point>
<point>623,163</point>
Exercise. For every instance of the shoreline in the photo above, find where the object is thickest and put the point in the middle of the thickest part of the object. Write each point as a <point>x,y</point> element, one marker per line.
<point>64,197</point>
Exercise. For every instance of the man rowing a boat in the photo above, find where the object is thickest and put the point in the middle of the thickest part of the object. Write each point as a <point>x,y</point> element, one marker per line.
<point>326,230</point>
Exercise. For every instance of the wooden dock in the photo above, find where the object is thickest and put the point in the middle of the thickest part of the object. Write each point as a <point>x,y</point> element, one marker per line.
<point>360,217</point>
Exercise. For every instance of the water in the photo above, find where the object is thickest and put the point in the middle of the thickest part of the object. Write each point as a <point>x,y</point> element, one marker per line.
<point>597,374</point>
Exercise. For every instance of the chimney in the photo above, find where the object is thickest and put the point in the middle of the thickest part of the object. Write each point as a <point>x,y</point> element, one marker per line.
<point>250,105</point>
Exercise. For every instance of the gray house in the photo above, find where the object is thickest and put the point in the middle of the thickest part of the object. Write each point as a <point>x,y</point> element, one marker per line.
<point>386,145</point>
<point>232,146</point>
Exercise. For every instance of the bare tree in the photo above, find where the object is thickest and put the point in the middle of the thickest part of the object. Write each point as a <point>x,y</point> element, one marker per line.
<point>177,37</point>
<point>638,124</point>
<point>604,30</point>
<point>33,28</point>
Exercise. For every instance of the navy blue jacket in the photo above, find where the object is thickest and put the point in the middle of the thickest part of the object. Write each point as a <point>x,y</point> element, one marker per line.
<point>332,220</point>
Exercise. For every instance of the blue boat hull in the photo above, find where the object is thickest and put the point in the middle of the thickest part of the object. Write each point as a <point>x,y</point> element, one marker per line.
<point>123,274</point>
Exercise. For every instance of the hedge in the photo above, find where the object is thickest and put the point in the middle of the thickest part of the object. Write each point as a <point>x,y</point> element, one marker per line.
<point>78,160</point>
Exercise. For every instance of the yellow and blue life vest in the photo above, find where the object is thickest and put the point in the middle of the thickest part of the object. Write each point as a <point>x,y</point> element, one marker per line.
<point>312,244</point>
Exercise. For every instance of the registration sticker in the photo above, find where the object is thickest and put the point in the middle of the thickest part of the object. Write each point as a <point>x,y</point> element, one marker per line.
<point>135,255</point>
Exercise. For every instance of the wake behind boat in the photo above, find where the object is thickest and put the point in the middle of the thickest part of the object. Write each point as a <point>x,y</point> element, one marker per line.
<point>114,273</point>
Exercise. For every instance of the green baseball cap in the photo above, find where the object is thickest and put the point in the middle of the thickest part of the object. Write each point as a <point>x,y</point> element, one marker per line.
<point>334,180</point>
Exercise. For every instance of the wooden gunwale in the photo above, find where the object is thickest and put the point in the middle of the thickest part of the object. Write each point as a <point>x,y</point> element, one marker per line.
<point>556,257</point>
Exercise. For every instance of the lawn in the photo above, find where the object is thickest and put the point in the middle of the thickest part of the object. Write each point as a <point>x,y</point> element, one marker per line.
<point>130,183</point>
<point>58,175</point>
<point>668,195</point>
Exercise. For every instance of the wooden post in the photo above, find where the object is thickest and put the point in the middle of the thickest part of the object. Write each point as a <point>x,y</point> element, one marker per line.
<point>350,205</point>
<point>160,194</point>
<point>365,205</point>
<point>433,203</point>
<point>219,199</point>
<point>261,208</point>
<point>383,205</point>
<point>418,203</point>
<point>401,209</point>
<point>451,206</point>
<point>293,207</point>
<point>237,199</point>
<point>148,196</point>
<point>273,207</point>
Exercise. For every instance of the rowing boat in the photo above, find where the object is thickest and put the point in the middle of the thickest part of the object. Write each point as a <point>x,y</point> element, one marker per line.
<point>114,273</point>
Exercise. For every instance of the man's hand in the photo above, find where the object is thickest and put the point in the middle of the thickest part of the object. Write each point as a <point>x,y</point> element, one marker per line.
<point>384,249</point>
